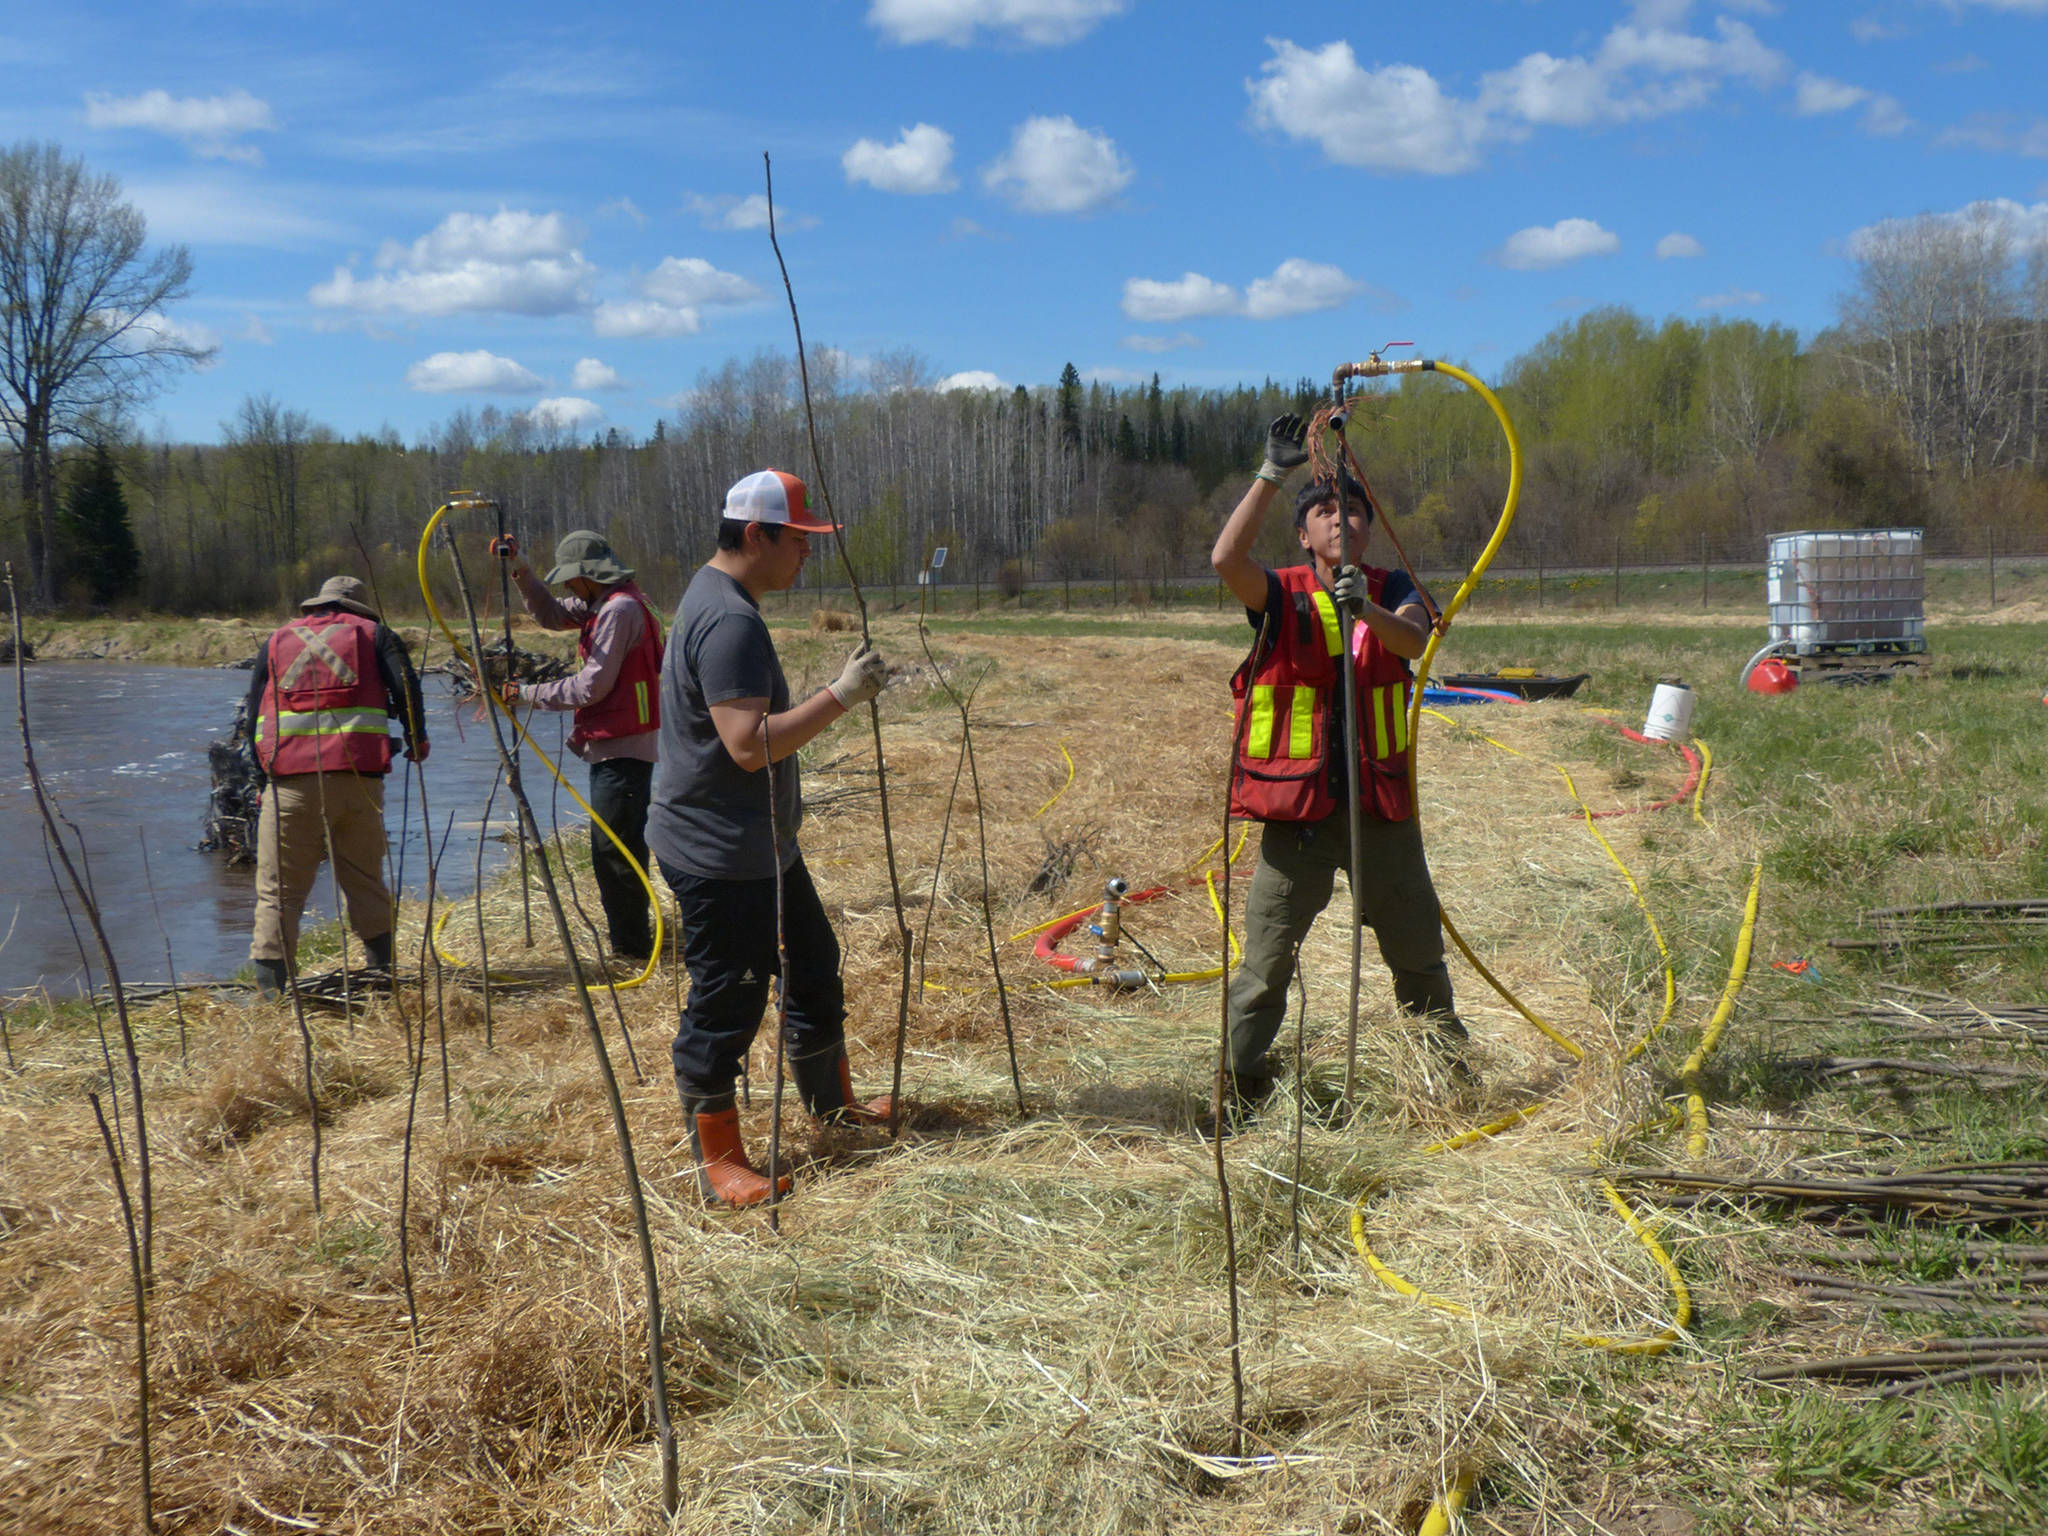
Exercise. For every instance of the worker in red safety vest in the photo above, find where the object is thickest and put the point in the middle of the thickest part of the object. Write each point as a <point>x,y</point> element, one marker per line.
<point>1290,773</point>
<point>616,694</point>
<point>325,691</point>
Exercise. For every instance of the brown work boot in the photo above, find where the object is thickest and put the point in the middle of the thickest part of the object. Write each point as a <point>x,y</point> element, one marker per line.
<point>723,1172</point>
<point>825,1083</point>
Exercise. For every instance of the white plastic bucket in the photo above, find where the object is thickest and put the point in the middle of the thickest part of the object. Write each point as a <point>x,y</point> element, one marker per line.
<point>1670,712</point>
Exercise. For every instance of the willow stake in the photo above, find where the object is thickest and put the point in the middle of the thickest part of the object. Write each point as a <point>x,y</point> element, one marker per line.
<point>903,936</point>
<point>83,889</point>
<point>529,827</point>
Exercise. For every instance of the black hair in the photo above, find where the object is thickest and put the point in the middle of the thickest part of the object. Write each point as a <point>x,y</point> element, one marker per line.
<point>732,532</point>
<point>1321,489</point>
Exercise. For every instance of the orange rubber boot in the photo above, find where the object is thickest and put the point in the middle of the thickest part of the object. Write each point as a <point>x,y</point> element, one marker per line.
<point>723,1172</point>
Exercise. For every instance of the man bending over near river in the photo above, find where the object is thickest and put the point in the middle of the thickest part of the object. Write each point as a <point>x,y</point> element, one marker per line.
<point>321,699</point>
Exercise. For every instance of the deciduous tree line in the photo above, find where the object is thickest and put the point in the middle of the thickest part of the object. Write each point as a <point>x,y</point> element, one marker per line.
<point>1923,407</point>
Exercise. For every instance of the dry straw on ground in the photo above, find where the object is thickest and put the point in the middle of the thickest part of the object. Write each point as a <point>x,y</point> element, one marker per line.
<point>995,1324</point>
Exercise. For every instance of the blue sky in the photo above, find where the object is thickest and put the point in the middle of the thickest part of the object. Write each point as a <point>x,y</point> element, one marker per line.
<point>397,211</point>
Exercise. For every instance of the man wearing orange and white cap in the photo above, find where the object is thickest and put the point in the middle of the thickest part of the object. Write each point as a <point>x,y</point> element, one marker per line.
<point>709,826</point>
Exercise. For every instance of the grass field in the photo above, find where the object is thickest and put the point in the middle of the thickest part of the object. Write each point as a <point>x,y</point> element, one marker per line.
<point>1013,1322</point>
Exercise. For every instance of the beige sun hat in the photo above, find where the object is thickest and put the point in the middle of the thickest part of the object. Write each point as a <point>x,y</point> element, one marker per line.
<point>343,592</point>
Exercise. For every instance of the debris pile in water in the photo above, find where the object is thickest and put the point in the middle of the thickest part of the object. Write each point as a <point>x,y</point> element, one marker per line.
<point>504,662</point>
<point>237,794</point>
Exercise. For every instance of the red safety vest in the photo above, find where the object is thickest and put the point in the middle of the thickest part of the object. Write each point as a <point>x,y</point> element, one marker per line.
<point>324,706</point>
<point>634,703</point>
<point>1286,709</point>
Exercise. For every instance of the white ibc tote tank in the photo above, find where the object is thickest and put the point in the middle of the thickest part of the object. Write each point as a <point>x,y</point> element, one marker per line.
<point>1858,590</point>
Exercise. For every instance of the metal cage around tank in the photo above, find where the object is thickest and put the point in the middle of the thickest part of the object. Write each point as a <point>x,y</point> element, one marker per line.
<point>1856,591</point>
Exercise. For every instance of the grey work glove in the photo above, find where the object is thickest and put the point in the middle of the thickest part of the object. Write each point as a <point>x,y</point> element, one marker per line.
<point>1286,448</point>
<point>861,678</point>
<point>1351,591</point>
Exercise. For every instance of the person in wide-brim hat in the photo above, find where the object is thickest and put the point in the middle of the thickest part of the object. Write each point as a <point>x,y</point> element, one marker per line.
<point>589,556</point>
<point>344,592</point>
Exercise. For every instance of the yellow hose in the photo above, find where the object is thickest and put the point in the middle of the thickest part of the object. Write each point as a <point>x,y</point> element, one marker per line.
<point>426,591</point>
<point>1062,789</point>
<point>1695,1104</point>
<point>1706,767</point>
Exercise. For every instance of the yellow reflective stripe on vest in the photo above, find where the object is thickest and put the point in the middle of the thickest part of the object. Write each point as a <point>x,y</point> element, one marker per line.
<point>1333,637</point>
<point>1379,722</point>
<point>332,722</point>
<point>640,700</point>
<point>1258,741</point>
<point>1301,723</point>
<point>1397,695</point>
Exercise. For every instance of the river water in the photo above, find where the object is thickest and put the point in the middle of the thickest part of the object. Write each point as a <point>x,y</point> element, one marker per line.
<point>122,751</point>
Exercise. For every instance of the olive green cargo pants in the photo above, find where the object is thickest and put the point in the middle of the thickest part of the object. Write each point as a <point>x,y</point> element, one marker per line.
<point>1298,866</point>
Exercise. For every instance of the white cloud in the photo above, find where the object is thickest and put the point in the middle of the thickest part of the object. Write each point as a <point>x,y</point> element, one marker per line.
<point>918,164</point>
<point>565,413</point>
<point>1554,245</point>
<point>1868,29</point>
<point>1398,118</point>
<point>471,373</point>
<point>1676,246</point>
<point>209,126</point>
<point>1116,376</point>
<point>1151,302</point>
<point>1054,165</point>
<point>636,319</point>
<point>1885,118</point>
<point>512,262</point>
<point>159,329</point>
<point>625,208</point>
<point>729,211</point>
<point>1735,298</point>
<point>254,330</point>
<point>589,373</point>
<point>1298,287</point>
<point>1040,23</point>
<point>2026,224</point>
<point>967,229</point>
<point>972,378</point>
<point>689,281</point>
<point>2000,133</point>
<point>1391,119</point>
<point>1815,95</point>
<point>213,210</point>
<point>1172,343</point>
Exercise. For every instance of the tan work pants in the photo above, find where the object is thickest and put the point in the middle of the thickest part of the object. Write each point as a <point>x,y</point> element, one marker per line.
<point>302,812</point>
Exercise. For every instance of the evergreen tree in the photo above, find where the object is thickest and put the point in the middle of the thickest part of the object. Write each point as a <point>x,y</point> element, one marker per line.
<point>97,545</point>
<point>1070,406</point>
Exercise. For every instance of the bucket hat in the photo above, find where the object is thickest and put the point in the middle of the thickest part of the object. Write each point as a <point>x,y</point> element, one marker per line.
<point>342,592</point>
<point>587,554</point>
<point>773,496</point>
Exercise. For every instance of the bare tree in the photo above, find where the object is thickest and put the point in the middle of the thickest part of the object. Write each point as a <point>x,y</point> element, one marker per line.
<point>1935,326</point>
<point>82,325</point>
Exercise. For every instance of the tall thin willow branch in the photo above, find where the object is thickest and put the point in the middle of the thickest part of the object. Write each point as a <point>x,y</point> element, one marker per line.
<point>1225,1083</point>
<point>170,961</point>
<point>505,582</point>
<point>483,943</point>
<point>781,987</point>
<point>530,827</point>
<point>597,942</point>
<point>988,922</point>
<point>92,917</point>
<point>924,938</point>
<point>141,1291</point>
<point>92,992</point>
<point>1300,1104</point>
<point>903,936</point>
<point>416,1059</point>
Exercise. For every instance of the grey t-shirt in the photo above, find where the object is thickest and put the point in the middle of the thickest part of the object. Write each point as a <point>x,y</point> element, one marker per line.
<point>707,816</point>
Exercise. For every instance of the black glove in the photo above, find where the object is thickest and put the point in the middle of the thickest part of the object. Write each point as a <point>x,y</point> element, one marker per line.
<point>1286,448</point>
<point>1351,590</point>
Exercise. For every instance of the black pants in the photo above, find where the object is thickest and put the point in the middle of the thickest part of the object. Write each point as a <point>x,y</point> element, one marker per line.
<point>618,793</point>
<point>729,947</point>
